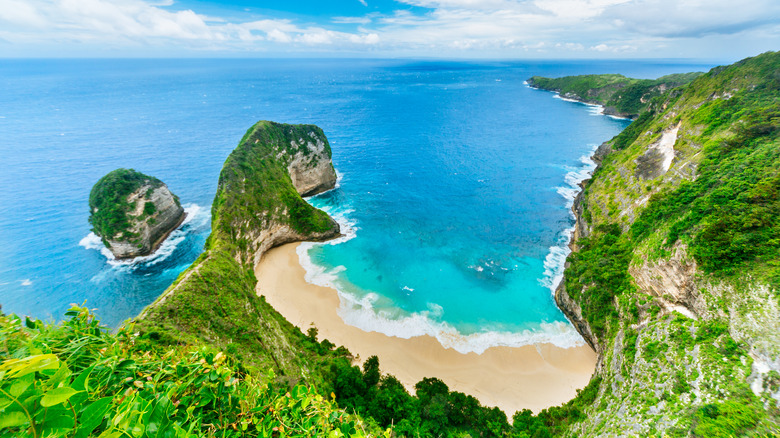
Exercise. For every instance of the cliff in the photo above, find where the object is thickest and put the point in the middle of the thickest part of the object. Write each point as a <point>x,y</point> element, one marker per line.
<point>133,213</point>
<point>258,205</point>
<point>620,96</point>
<point>674,276</point>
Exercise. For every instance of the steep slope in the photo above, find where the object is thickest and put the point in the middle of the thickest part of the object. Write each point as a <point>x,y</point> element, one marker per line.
<point>620,96</point>
<point>76,379</point>
<point>674,279</point>
<point>257,206</point>
<point>133,213</point>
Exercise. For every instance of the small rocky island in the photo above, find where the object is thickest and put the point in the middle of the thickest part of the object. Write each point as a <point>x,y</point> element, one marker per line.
<point>133,213</point>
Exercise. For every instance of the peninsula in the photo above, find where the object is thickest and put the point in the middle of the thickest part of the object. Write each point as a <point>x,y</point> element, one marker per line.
<point>620,96</point>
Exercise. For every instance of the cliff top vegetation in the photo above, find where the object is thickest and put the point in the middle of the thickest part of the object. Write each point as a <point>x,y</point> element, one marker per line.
<point>108,203</point>
<point>623,96</point>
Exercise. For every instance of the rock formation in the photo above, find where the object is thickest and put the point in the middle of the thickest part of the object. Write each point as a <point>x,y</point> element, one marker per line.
<point>258,205</point>
<point>133,213</point>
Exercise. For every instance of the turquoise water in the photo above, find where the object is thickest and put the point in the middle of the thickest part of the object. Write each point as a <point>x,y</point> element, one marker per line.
<point>456,181</point>
<point>459,229</point>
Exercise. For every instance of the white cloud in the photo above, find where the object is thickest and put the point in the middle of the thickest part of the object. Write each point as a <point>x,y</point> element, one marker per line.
<point>20,13</point>
<point>147,23</point>
<point>693,18</point>
<point>495,28</point>
<point>351,20</point>
<point>567,27</point>
<point>463,4</point>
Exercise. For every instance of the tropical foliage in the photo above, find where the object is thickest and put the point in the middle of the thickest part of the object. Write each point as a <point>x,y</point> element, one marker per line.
<point>78,380</point>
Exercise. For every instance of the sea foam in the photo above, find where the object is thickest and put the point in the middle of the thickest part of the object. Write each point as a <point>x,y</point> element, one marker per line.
<point>556,259</point>
<point>197,217</point>
<point>363,312</point>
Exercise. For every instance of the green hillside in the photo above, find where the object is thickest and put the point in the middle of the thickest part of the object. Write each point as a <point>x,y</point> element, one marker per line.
<point>677,260</point>
<point>621,96</point>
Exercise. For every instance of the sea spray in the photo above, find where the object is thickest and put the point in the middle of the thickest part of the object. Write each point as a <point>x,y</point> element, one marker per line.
<point>555,261</point>
<point>197,218</point>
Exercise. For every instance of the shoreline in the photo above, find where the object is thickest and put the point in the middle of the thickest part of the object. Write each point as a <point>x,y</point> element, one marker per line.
<point>512,378</point>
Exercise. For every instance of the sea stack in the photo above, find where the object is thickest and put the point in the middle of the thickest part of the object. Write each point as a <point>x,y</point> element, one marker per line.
<point>133,213</point>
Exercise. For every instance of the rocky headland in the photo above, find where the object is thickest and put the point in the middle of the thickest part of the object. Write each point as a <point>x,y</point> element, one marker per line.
<point>619,95</point>
<point>258,206</point>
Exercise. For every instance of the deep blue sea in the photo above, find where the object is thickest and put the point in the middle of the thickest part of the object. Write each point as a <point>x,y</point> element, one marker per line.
<point>455,181</point>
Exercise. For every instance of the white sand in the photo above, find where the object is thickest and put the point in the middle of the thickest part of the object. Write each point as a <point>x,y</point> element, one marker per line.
<point>531,377</point>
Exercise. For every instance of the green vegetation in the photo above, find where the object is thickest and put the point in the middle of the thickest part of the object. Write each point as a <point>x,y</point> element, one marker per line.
<point>108,202</point>
<point>78,380</point>
<point>730,214</point>
<point>433,411</point>
<point>626,97</point>
<point>554,421</point>
<point>598,272</point>
<point>215,301</point>
<point>724,215</point>
<point>255,189</point>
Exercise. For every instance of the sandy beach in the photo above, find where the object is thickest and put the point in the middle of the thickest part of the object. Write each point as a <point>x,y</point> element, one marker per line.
<point>530,377</point>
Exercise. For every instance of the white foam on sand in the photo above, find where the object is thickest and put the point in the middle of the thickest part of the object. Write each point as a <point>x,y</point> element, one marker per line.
<point>361,313</point>
<point>197,217</point>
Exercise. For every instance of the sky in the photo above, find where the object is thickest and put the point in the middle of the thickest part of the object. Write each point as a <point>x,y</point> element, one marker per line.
<point>725,30</point>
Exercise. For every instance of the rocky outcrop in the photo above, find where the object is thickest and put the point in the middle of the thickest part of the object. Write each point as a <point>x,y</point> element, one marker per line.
<point>657,160</point>
<point>133,213</point>
<point>262,185</point>
<point>679,336</point>
<point>672,282</point>
<point>149,230</point>
<point>573,312</point>
<point>310,171</point>
<point>258,205</point>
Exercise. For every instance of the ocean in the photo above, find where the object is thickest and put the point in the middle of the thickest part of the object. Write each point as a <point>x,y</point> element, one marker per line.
<point>455,182</point>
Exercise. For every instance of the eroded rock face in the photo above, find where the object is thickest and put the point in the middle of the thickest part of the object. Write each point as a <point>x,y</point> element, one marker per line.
<point>258,208</point>
<point>672,282</point>
<point>311,172</point>
<point>151,229</point>
<point>573,312</point>
<point>133,213</point>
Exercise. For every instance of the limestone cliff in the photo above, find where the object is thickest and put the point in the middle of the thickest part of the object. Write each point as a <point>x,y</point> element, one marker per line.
<point>133,213</point>
<point>258,205</point>
<point>673,278</point>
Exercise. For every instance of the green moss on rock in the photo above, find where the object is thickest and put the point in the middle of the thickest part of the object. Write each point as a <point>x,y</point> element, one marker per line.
<point>108,202</point>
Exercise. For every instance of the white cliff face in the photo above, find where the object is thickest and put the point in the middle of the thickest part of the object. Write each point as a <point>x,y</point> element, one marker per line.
<point>672,282</point>
<point>150,229</point>
<point>310,169</point>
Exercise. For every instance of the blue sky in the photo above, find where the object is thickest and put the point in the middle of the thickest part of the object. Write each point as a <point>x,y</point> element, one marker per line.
<point>724,30</point>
